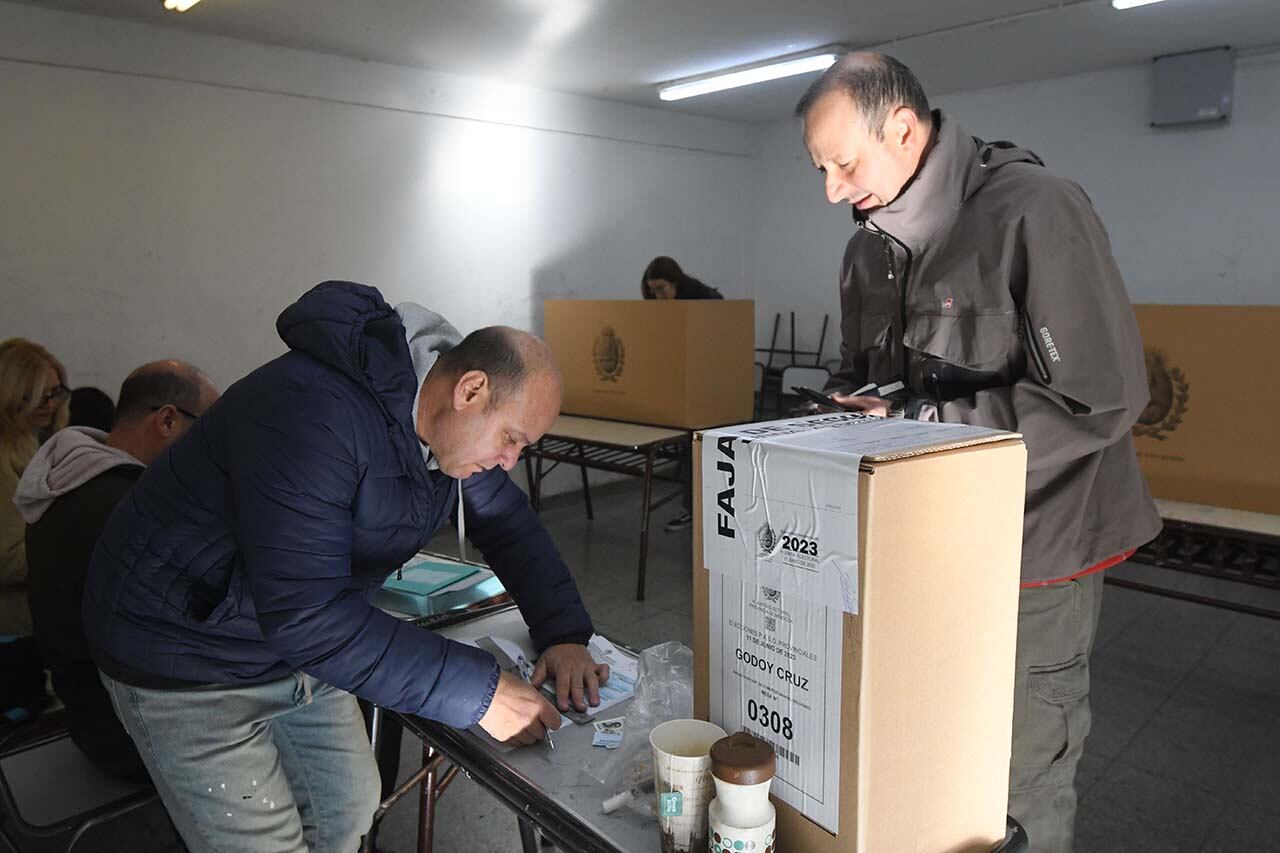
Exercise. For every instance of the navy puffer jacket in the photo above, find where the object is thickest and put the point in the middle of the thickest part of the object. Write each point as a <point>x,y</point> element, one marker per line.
<point>247,550</point>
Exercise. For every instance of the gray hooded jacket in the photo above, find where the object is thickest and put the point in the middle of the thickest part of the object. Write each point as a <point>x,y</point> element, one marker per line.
<point>989,286</point>
<point>68,460</point>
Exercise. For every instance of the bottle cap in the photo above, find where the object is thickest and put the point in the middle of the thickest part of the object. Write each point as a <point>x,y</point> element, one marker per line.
<point>743,759</point>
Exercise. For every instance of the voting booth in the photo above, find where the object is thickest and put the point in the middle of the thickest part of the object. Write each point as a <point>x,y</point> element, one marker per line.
<point>677,363</point>
<point>1208,434</point>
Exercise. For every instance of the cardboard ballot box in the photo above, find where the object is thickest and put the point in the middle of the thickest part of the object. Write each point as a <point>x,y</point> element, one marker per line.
<point>1207,434</point>
<point>856,605</point>
<point>669,363</point>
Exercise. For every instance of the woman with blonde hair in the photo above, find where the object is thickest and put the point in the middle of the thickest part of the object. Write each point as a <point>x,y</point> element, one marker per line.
<point>33,406</point>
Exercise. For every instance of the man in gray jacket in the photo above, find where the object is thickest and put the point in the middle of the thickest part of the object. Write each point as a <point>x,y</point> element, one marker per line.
<point>983,286</point>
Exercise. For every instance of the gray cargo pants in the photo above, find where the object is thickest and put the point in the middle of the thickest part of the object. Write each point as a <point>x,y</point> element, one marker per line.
<point>1056,626</point>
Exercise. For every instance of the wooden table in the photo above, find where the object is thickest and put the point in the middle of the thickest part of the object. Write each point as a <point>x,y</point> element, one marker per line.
<point>622,448</point>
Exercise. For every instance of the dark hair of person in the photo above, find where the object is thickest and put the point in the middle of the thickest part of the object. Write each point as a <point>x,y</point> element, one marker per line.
<point>150,388</point>
<point>687,287</point>
<point>495,352</point>
<point>877,85</point>
<point>92,407</point>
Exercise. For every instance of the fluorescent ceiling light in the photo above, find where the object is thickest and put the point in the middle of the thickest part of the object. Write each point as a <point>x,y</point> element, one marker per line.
<point>746,76</point>
<point>1129,4</point>
<point>179,5</point>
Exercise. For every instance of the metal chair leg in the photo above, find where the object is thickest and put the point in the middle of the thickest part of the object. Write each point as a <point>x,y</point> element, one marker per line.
<point>586,487</point>
<point>644,522</point>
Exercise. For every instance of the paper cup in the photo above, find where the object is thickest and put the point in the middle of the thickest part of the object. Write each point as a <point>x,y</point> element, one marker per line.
<point>683,783</point>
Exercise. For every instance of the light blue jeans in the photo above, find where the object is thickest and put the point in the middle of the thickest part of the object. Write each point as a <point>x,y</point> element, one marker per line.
<point>283,767</point>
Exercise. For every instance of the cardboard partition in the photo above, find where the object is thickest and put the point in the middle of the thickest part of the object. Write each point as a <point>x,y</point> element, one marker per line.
<point>679,363</point>
<point>920,727</point>
<point>1208,434</point>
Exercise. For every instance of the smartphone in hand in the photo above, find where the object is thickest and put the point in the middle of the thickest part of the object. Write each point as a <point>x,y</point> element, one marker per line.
<point>817,397</point>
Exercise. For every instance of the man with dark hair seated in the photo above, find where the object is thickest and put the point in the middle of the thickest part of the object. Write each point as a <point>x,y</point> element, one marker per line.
<point>66,495</point>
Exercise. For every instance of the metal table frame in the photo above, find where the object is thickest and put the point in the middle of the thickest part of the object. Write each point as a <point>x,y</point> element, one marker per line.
<point>431,782</point>
<point>1240,556</point>
<point>537,811</point>
<point>638,458</point>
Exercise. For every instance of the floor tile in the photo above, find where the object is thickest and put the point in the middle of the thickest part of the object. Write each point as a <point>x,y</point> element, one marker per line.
<point>1217,737</point>
<point>1243,828</point>
<point>1136,811</point>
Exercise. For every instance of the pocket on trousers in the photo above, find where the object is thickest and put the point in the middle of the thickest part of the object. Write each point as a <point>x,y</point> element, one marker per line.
<point>1059,696</point>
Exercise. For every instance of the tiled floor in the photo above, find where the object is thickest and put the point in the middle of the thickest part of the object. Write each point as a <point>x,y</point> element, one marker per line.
<point>1185,749</point>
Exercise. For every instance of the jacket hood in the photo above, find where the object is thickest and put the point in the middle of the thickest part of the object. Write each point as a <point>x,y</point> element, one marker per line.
<point>352,329</point>
<point>956,168</point>
<point>68,460</point>
<point>428,335</point>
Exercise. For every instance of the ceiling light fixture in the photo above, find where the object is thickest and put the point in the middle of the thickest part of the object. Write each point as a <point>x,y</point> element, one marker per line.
<point>774,69</point>
<point>179,5</point>
<point>1129,4</point>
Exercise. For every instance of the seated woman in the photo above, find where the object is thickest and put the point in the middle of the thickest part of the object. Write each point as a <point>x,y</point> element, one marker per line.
<point>663,279</point>
<point>33,405</point>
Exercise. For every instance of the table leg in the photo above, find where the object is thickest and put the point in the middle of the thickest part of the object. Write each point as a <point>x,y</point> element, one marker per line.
<point>586,487</point>
<point>528,471</point>
<point>427,804</point>
<point>644,521</point>
<point>537,481</point>
<point>528,838</point>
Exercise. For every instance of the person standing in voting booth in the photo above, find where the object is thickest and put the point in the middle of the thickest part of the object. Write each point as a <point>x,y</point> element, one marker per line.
<point>664,279</point>
<point>984,286</point>
<point>226,600</point>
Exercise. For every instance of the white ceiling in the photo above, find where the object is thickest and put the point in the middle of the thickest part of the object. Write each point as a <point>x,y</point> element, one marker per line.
<point>620,49</point>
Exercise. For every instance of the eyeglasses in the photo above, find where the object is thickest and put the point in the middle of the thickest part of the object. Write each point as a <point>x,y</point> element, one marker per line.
<point>53,395</point>
<point>178,409</point>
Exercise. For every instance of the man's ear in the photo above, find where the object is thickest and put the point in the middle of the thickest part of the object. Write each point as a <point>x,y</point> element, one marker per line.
<point>164,421</point>
<point>903,127</point>
<point>472,388</point>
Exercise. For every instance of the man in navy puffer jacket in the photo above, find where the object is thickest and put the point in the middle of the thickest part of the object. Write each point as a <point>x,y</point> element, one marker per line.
<point>226,603</point>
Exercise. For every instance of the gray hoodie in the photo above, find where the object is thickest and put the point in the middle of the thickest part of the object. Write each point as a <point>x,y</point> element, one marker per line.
<point>429,334</point>
<point>989,286</point>
<point>68,460</point>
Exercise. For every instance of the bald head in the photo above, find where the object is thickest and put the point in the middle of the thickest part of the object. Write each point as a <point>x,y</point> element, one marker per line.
<point>508,357</point>
<point>164,383</point>
<point>159,402</point>
<point>487,399</point>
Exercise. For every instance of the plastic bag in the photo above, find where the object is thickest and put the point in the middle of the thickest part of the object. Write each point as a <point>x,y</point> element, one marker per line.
<point>664,691</point>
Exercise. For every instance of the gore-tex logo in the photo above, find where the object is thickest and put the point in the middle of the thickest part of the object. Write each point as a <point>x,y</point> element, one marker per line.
<point>1048,343</point>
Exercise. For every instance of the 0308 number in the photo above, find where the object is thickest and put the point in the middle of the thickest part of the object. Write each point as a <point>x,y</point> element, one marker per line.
<point>760,714</point>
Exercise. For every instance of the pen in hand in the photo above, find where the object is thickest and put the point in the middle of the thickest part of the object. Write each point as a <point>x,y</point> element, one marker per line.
<point>526,672</point>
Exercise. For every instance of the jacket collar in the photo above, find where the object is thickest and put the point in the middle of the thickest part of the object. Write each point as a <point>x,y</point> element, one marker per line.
<point>930,202</point>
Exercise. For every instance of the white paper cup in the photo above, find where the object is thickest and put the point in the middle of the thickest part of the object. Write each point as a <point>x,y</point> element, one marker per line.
<point>683,782</point>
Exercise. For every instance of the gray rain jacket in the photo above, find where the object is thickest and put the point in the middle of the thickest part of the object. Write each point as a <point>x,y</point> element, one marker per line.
<point>990,286</point>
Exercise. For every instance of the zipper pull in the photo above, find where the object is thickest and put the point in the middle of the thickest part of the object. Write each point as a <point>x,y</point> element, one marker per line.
<point>888,256</point>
